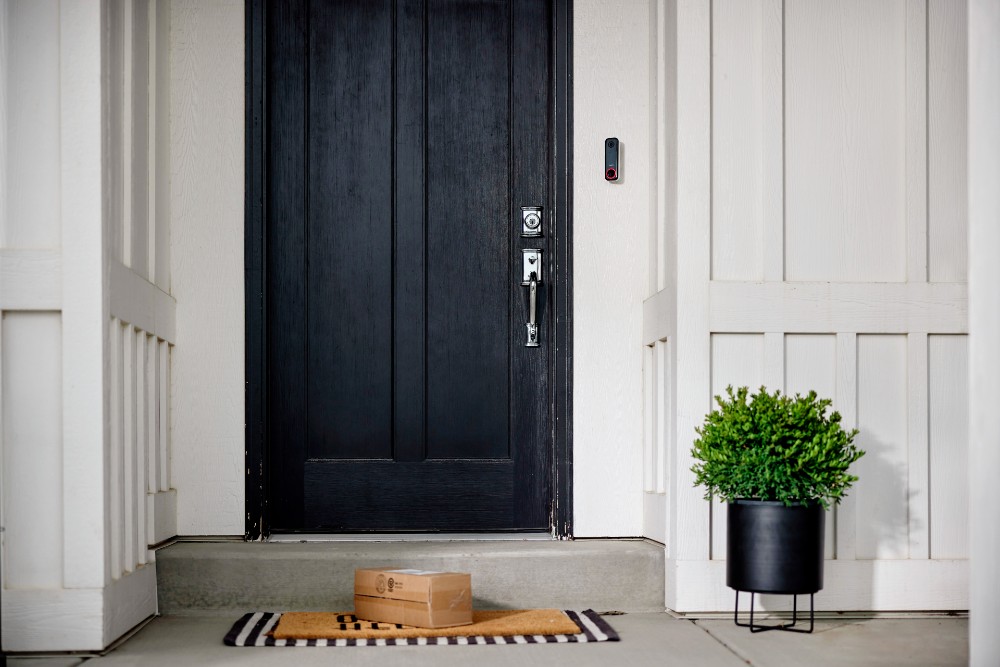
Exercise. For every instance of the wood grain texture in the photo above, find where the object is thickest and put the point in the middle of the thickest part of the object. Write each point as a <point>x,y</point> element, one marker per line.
<point>773,144</point>
<point>386,495</point>
<point>918,473</point>
<point>839,307</point>
<point>129,494</point>
<point>738,121</point>
<point>468,344</point>
<point>847,403</point>
<point>916,141</point>
<point>811,365</point>
<point>32,138</point>
<point>690,531</point>
<point>160,113</point>
<point>391,285</point>
<point>649,390</point>
<point>737,360</point>
<point>116,478</point>
<point>163,420</point>
<point>84,313</point>
<point>31,394</point>
<point>947,112</point>
<point>949,447</point>
<point>30,279</point>
<point>139,447</point>
<point>137,164</point>
<point>135,300</point>
<point>344,112</point>
<point>882,492</point>
<point>845,142</point>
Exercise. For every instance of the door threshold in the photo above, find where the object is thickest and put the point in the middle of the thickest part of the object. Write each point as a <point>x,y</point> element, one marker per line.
<point>411,537</point>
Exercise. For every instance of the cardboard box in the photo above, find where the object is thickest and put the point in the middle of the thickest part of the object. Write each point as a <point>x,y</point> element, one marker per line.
<point>413,597</point>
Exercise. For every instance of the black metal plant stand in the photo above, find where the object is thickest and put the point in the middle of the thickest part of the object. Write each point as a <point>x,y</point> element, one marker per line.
<point>787,628</point>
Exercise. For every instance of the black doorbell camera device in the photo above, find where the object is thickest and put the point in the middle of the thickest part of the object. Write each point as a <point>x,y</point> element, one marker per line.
<point>611,159</point>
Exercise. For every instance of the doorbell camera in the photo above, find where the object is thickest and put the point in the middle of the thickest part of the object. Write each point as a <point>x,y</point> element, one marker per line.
<point>611,145</point>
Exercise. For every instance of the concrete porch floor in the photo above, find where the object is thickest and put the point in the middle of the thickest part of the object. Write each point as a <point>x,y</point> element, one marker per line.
<point>646,639</point>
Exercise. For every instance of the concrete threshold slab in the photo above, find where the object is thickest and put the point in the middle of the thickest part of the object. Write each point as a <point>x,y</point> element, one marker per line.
<point>604,575</point>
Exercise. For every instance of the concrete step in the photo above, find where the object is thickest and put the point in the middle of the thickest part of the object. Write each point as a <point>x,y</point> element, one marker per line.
<point>604,575</point>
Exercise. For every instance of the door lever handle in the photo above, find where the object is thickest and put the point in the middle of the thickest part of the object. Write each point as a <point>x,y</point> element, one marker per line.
<point>532,310</point>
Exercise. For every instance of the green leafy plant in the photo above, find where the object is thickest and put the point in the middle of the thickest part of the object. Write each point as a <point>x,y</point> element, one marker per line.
<point>774,447</point>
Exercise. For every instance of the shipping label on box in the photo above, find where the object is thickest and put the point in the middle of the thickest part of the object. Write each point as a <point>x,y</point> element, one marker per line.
<point>420,598</point>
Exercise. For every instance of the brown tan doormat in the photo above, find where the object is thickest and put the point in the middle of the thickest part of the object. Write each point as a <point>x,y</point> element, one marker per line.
<point>488,627</point>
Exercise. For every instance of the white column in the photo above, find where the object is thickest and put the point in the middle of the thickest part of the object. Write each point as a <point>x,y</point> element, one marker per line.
<point>984,326</point>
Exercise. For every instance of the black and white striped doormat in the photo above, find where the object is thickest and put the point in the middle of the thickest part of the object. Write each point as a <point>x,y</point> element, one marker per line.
<point>254,630</point>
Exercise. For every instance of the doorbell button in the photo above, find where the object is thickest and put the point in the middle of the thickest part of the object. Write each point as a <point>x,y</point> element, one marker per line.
<point>611,148</point>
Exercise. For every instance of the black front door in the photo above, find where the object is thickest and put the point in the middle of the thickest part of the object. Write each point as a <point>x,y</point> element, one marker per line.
<point>400,140</point>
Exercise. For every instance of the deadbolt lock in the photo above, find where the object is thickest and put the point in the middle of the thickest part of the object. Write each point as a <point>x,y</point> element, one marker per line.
<point>531,221</point>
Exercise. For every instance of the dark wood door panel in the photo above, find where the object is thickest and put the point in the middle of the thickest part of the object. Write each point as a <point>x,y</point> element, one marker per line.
<point>399,497</point>
<point>402,136</point>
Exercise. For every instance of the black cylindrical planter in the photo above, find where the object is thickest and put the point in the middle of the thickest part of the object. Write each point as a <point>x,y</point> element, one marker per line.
<point>774,548</point>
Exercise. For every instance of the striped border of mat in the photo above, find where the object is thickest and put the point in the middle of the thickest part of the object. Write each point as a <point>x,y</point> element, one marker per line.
<point>253,629</point>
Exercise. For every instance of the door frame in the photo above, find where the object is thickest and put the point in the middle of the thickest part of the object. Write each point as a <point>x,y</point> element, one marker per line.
<point>257,524</point>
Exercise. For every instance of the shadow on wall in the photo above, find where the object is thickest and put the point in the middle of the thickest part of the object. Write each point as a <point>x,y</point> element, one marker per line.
<point>879,502</point>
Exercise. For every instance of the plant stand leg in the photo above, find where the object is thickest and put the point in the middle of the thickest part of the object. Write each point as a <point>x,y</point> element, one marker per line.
<point>781,626</point>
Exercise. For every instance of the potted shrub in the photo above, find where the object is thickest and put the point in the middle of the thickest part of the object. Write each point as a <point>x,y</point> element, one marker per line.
<point>779,462</point>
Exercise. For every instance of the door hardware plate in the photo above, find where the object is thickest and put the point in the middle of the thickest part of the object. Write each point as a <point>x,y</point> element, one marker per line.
<point>531,262</point>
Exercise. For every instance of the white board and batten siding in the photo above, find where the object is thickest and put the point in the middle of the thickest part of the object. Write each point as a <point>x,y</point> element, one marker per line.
<point>87,321</point>
<point>822,219</point>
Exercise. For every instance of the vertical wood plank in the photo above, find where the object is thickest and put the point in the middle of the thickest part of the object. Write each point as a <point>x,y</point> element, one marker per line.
<point>690,528</point>
<point>115,477</point>
<point>410,275</point>
<point>649,415</point>
<point>161,190</point>
<point>845,218</point>
<point>949,446</point>
<point>773,145</point>
<point>33,450</point>
<point>152,404</point>
<point>774,361</point>
<point>29,123</point>
<point>84,315</point>
<point>916,140</point>
<point>947,118</point>
<point>662,421</point>
<point>917,436</point>
<point>138,161</point>
<point>737,360</point>
<point>846,402</point>
<point>140,446</point>
<point>882,493</point>
<point>664,405</point>
<point>115,123</point>
<point>129,518</point>
<point>124,163</point>
<point>811,364</point>
<point>738,124</point>
<point>163,416</point>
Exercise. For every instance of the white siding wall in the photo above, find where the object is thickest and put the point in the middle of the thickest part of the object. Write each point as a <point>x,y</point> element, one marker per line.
<point>821,224</point>
<point>84,452</point>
